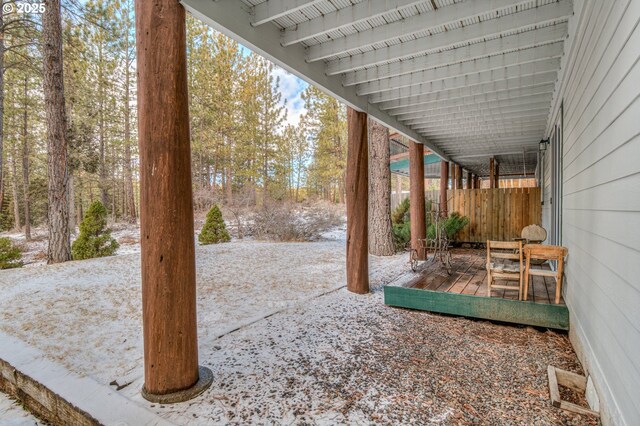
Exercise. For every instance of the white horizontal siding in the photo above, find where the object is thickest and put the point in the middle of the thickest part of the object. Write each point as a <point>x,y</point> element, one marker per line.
<point>599,89</point>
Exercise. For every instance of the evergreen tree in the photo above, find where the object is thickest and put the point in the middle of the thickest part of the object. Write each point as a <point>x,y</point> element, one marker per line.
<point>95,238</point>
<point>327,123</point>
<point>9,254</point>
<point>214,230</point>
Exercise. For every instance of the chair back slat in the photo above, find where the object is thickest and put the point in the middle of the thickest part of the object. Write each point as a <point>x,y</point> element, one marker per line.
<point>502,255</point>
<point>546,252</point>
<point>534,233</point>
<point>512,245</point>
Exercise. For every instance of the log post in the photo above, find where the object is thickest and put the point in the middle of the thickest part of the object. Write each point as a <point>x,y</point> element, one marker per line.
<point>469,180</point>
<point>416,193</point>
<point>492,173</point>
<point>357,202</point>
<point>496,178</point>
<point>444,184</point>
<point>458,176</point>
<point>452,172</point>
<point>171,369</point>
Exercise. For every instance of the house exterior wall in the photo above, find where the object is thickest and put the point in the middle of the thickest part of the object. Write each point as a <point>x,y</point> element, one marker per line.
<point>599,88</point>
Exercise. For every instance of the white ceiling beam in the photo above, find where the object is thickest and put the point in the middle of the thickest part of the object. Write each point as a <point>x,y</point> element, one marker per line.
<point>230,18</point>
<point>464,124</point>
<point>493,144</point>
<point>517,42</point>
<point>452,144</point>
<point>407,27</point>
<point>342,18</point>
<point>480,113</point>
<point>481,130</point>
<point>271,10</point>
<point>508,146</point>
<point>518,135</point>
<point>463,92</point>
<point>509,76</point>
<point>530,93</point>
<point>489,133</point>
<point>551,13</point>
<point>494,154</point>
<point>480,133</point>
<point>533,56</point>
<point>458,123</point>
<point>486,106</point>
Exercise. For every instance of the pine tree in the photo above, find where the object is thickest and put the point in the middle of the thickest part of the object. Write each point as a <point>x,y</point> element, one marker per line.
<point>214,230</point>
<point>380,234</point>
<point>59,235</point>
<point>327,124</point>
<point>95,238</point>
<point>9,254</point>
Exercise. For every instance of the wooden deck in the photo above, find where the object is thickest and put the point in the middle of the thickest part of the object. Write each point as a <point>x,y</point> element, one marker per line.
<point>464,293</point>
<point>469,276</point>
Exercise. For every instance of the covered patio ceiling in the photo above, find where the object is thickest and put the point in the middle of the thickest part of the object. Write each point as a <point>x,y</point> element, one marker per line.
<point>468,79</point>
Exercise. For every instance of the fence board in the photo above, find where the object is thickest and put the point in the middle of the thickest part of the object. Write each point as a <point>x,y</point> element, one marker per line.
<point>498,214</point>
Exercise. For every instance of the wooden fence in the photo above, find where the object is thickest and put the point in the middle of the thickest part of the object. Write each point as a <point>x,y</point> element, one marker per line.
<point>495,214</point>
<point>397,198</point>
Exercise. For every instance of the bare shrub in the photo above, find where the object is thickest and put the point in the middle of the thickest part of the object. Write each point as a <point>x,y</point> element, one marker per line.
<point>289,222</point>
<point>204,198</point>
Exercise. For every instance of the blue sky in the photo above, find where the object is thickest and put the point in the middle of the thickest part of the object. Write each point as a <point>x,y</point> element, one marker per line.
<point>291,88</point>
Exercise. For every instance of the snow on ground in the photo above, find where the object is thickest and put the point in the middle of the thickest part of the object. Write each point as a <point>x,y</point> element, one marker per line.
<point>288,344</point>
<point>12,413</point>
<point>99,299</point>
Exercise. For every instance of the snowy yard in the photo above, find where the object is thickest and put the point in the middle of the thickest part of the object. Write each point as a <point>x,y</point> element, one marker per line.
<point>12,414</point>
<point>288,344</point>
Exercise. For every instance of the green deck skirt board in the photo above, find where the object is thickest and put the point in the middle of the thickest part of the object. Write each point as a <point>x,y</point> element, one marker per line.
<point>490,308</point>
<point>403,165</point>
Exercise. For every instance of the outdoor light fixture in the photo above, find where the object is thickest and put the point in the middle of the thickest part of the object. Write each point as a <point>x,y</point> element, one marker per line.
<point>543,144</point>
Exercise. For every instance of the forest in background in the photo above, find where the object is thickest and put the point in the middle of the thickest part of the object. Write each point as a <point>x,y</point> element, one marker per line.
<point>243,151</point>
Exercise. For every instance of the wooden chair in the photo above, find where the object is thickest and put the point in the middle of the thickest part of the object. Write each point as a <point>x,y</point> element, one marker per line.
<point>534,252</point>
<point>511,250</point>
<point>533,234</point>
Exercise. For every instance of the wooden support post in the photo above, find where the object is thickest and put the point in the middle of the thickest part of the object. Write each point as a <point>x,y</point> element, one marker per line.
<point>469,180</point>
<point>458,176</point>
<point>454,177</point>
<point>492,172</point>
<point>357,202</point>
<point>416,192</point>
<point>496,178</point>
<point>444,184</point>
<point>171,369</point>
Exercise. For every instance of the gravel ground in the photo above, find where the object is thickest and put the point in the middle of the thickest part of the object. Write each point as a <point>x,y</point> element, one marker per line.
<point>349,359</point>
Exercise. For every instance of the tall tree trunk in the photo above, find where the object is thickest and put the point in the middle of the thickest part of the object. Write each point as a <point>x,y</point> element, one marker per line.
<point>104,198</point>
<point>2,49</point>
<point>14,188</point>
<point>129,202</point>
<point>78,204</point>
<point>53,84</point>
<point>114,185</point>
<point>298,181</point>
<point>25,164</point>
<point>380,235</point>
<point>229,189</point>
<point>72,202</point>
